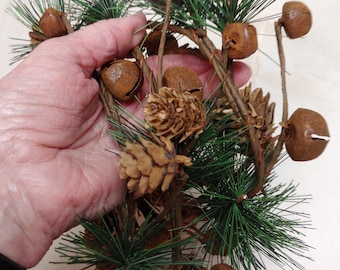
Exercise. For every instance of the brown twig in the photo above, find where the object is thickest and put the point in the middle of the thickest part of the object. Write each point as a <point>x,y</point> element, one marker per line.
<point>162,43</point>
<point>173,195</point>
<point>148,74</point>
<point>67,24</point>
<point>105,96</point>
<point>279,145</point>
<point>233,95</point>
<point>176,223</point>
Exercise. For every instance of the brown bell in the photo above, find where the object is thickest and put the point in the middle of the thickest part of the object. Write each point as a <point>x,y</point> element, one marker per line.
<point>240,39</point>
<point>307,135</point>
<point>152,43</point>
<point>221,266</point>
<point>296,19</point>
<point>51,23</point>
<point>123,78</point>
<point>184,79</point>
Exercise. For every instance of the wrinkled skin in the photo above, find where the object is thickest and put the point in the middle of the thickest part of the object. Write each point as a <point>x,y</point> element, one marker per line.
<point>53,160</point>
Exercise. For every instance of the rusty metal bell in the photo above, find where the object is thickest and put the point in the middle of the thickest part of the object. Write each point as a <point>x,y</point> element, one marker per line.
<point>184,79</point>
<point>240,40</point>
<point>306,135</point>
<point>51,23</point>
<point>123,78</point>
<point>296,19</point>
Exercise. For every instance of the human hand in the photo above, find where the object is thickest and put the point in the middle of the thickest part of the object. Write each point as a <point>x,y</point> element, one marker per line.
<point>53,160</point>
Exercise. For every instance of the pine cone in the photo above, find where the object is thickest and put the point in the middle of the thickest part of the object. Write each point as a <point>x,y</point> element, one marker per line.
<point>147,165</point>
<point>175,114</point>
<point>261,114</point>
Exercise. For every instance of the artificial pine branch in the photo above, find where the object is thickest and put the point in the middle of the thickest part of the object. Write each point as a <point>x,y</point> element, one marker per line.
<point>255,227</point>
<point>113,242</point>
<point>232,93</point>
<point>212,204</point>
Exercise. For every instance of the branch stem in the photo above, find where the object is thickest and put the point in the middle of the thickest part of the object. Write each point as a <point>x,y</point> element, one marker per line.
<point>176,220</point>
<point>138,55</point>
<point>238,106</point>
<point>279,145</point>
<point>67,24</point>
<point>162,43</point>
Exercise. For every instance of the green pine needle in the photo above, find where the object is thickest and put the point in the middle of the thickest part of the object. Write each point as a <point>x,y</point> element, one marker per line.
<point>126,127</point>
<point>209,14</point>
<point>95,10</point>
<point>29,13</point>
<point>245,229</point>
<point>264,226</point>
<point>214,150</point>
<point>21,50</point>
<point>115,241</point>
<point>222,12</point>
<point>187,13</point>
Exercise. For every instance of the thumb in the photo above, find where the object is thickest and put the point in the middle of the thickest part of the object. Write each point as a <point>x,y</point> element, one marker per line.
<point>95,44</point>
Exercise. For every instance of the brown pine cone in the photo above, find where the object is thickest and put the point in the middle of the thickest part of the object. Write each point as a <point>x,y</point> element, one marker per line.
<point>261,114</point>
<point>146,165</point>
<point>175,114</point>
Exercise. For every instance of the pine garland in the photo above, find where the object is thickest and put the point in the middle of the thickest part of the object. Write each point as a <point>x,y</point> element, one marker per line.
<point>204,166</point>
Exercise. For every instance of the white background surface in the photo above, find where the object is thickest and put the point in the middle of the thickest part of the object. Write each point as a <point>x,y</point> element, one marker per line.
<point>314,83</point>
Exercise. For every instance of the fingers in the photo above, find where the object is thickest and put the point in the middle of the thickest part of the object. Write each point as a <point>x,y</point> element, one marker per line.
<point>95,44</point>
<point>241,73</point>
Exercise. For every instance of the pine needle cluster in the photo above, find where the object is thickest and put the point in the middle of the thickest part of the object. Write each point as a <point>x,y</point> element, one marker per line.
<point>208,14</point>
<point>113,243</point>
